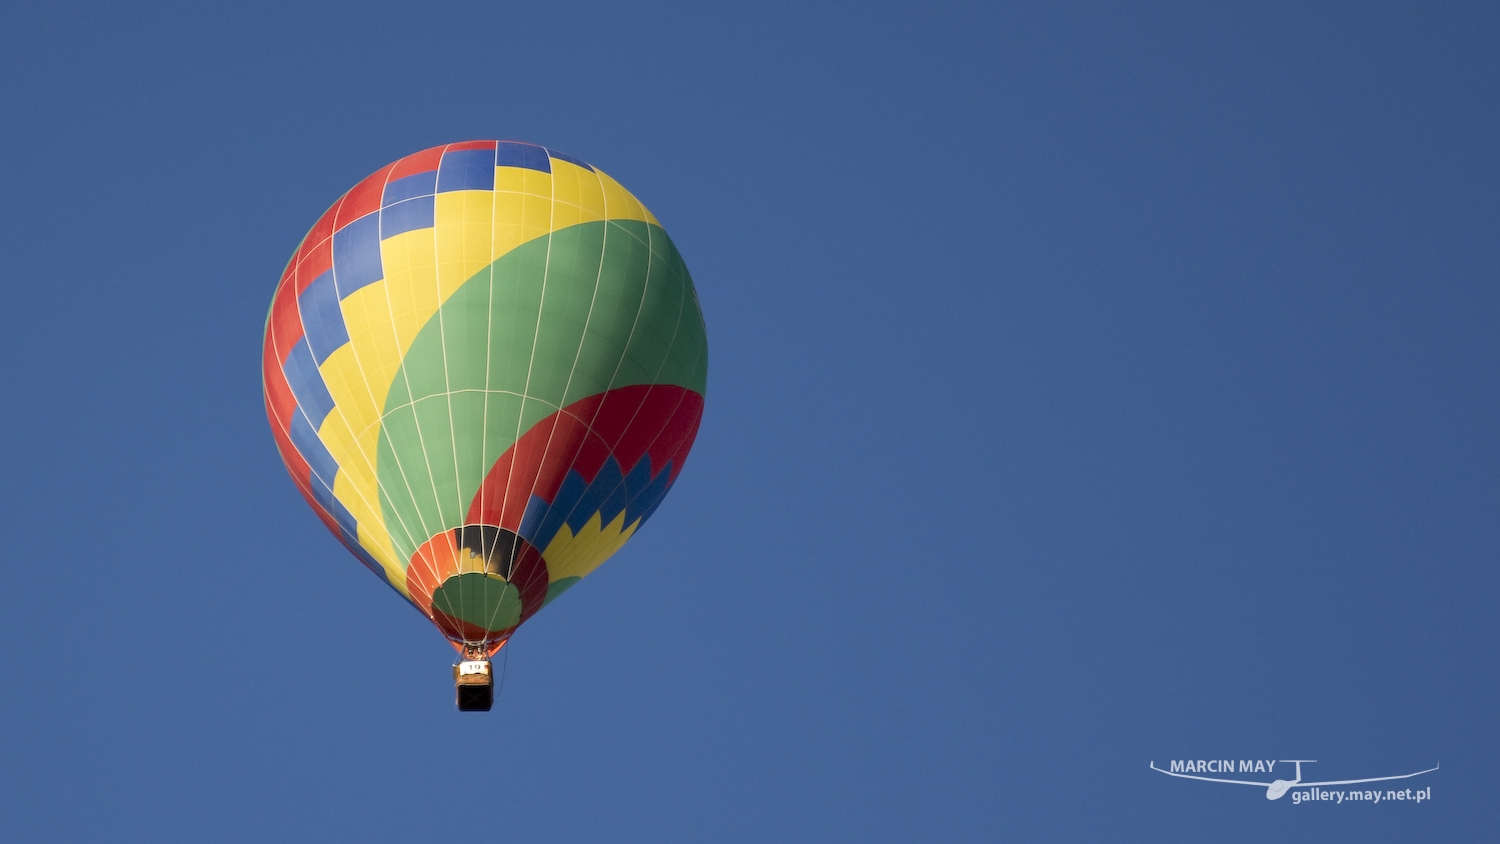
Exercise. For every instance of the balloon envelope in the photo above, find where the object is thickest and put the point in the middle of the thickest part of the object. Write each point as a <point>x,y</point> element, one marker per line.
<point>484,367</point>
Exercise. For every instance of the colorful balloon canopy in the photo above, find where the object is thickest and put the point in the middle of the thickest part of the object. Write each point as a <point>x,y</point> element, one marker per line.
<point>484,367</point>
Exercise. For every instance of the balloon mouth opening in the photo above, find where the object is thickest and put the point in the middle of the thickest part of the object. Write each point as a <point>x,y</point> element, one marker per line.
<point>478,583</point>
<point>479,650</point>
<point>476,607</point>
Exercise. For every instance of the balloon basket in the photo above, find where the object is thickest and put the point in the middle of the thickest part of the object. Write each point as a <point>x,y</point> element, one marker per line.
<point>474,685</point>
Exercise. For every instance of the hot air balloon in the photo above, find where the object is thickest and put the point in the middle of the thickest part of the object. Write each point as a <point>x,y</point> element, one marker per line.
<point>484,367</point>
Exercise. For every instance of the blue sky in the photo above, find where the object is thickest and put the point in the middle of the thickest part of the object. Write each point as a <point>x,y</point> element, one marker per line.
<point>1089,386</point>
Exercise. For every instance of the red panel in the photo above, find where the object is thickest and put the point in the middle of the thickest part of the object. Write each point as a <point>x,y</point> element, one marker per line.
<point>307,496</point>
<point>301,472</point>
<point>635,424</point>
<point>537,465</point>
<point>579,448</point>
<point>553,446</point>
<point>491,502</point>
<point>434,562</point>
<point>295,465</point>
<point>362,198</point>
<point>676,439</point>
<point>529,574</point>
<point>659,420</point>
<point>613,411</point>
<point>285,327</point>
<point>280,403</point>
<point>632,421</point>
<point>671,430</point>
<point>463,145</point>
<point>418,162</point>
<point>279,399</point>
<point>315,261</point>
<point>320,232</point>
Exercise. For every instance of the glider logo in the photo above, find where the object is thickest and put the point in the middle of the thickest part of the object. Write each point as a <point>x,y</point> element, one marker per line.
<point>1193,769</point>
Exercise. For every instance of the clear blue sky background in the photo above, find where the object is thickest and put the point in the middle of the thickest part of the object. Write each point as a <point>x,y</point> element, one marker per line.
<point>1089,387</point>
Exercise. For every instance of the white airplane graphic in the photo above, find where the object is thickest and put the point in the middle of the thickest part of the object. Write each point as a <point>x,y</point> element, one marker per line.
<point>1277,788</point>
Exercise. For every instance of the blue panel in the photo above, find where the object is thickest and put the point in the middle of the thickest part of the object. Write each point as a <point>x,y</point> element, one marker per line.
<point>356,254</point>
<point>637,494</point>
<point>560,156</point>
<point>522,155</point>
<point>313,451</point>
<point>407,187</point>
<point>606,483</point>
<point>646,514</point>
<point>645,497</point>
<point>335,508</point>
<point>351,541</point>
<point>639,478</point>
<point>322,319</point>
<point>468,169</point>
<point>568,495</point>
<point>531,521</point>
<point>307,383</point>
<point>406,216</point>
<point>348,527</point>
<point>612,501</point>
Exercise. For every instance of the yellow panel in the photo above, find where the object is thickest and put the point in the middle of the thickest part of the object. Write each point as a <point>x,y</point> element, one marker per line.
<point>576,196</point>
<point>622,204</point>
<point>425,266</point>
<point>519,218</point>
<point>346,383</point>
<point>411,284</point>
<point>369,443</point>
<point>463,230</point>
<point>591,195</point>
<point>568,555</point>
<point>337,438</point>
<point>524,203</point>
<point>356,489</point>
<point>523,180</point>
<point>393,572</point>
<point>372,346</point>
<point>356,474</point>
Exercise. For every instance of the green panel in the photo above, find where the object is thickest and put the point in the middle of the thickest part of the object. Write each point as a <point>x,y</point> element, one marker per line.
<point>587,309</point>
<point>502,421</point>
<point>406,488</point>
<point>468,328</point>
<point>558,587</point>
<point>480,599</point>
<point>617,302</point>
<point>434,422</point>
<point>468,413</point>
<point>577,256</point>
